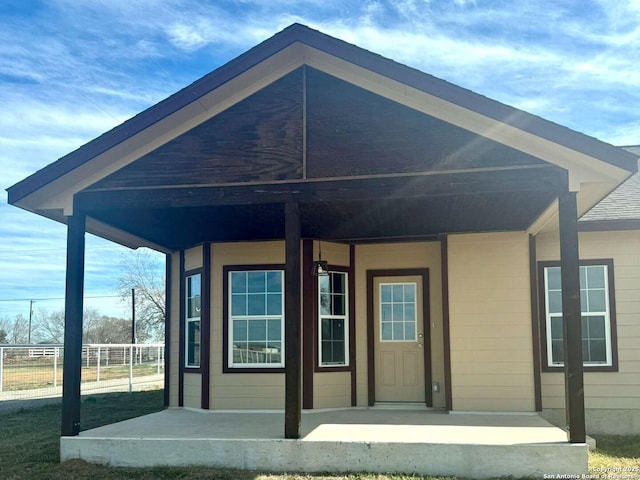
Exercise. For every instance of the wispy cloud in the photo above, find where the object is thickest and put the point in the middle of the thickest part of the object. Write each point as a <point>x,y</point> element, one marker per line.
<point>71,70</point>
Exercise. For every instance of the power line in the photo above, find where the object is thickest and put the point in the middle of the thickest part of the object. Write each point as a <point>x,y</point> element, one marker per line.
<point>54,298</point>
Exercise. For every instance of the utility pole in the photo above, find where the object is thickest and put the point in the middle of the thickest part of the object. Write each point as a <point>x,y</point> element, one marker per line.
<point>133,315</point>
<point>31,302</point>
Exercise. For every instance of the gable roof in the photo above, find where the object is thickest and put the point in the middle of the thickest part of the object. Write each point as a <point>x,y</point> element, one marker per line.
<point>297,33</point>
<point>622,206</point>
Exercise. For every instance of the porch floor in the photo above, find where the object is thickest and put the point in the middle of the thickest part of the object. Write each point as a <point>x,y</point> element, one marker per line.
<point>357,439</point>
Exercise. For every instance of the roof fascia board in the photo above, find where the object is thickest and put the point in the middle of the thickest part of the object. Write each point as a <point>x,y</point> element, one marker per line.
<point>586,167</point>
<point>56,194</point>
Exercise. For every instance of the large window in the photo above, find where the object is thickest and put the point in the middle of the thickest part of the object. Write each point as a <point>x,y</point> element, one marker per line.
<point>596,279</point>
<point>192,313</point>
<point>256,319</point>
<point>333,320</point>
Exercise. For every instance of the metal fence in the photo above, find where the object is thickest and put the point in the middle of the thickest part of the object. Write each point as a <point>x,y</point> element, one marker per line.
<point>35,371</point>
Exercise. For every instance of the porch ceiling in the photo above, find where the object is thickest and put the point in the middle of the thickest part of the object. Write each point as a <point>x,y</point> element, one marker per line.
<point>348,210</point>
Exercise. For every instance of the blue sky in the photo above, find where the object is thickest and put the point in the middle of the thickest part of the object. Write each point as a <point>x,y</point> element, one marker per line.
<point>73,69</point>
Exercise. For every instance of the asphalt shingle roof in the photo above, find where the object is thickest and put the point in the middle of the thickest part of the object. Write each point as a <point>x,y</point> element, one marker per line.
<point>621,204</point>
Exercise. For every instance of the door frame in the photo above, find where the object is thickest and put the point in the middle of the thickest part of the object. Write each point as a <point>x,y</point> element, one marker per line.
<point>426,319</point>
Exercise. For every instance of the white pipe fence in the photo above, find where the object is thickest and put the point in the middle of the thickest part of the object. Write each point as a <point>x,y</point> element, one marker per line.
<point>35,371</point>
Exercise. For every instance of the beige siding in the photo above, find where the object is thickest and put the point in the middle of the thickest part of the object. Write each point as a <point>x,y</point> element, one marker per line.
<point>399,256</point>
<point>490,322</point>
<point>606,390</point>
<point>193,258</point>
<point>331,390</point>
<point>192,390</point>
<point>175,330</point>
<point>240,390</point>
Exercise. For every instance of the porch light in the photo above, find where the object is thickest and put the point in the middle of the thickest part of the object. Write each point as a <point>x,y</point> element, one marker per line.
<point>321,267</point>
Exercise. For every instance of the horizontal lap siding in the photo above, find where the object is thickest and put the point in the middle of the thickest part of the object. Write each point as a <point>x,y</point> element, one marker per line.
<point>607,390</point>
<point>331,390</point>
<point>192,390</point>
<point>240,390</point>
<point>490,322</point>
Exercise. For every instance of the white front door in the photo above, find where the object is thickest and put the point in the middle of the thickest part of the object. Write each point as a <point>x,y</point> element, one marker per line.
<point>399,339</point>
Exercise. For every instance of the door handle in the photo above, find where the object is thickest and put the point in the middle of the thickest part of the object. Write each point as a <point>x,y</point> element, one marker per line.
<point>420,335</point>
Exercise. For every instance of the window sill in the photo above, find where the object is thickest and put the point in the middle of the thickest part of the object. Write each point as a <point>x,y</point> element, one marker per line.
<point>587,368</point>
<point>253,370</point>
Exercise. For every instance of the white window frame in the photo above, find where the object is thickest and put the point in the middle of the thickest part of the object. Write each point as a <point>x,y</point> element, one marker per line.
<point>380,302</point>
<point>190,320</point>
<point>344,318</point>
<point>606,314</point>
<point>230,323</point>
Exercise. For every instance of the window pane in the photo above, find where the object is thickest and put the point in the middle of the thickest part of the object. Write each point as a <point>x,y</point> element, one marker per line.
<point>598,351</point>
<point>595,276</point>
<point>398,331</point>
<point>256,282</point>
<point>325,304</point>
<point>325,327</point>
<point>410,312</point>
<point>386,331</point>
<point>256,304</point>
<point>583,300</point>
<point>410,331</point>
<point>596,327</point>
<point>274,282</point>
<point>555,301</point>
<point>257,330</point>
<point>274,304</point>
<point>239,330</point>
<point>386,312</point>
<point>337,331</point>
<point>398,312</point>
<point>339,305</point>
<point>193,343</point>
<point>409,293</point>
<point>556,328</point>
<point>553,278</point>
<point>338,353</point>
<point>238,282</point>
<point>596,301</point>
<point>239,305</point>
<point>273,330</point>
<point>585,350</point>
<point>327,352</point>
<point>193,296</point>
<point>557,351</point>
<point>385,293</point>
<point>583,277</point>
<point>339,284</point>
<point>398,293</point>
<point>324,284</point>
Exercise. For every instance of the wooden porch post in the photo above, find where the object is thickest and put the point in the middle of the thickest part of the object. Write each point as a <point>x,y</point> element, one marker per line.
<point>73,325</point>
<point>293,391</point>
<point>571,312</point>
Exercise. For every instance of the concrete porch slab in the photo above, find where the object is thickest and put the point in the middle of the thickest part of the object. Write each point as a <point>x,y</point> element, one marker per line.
<point>350,440</point>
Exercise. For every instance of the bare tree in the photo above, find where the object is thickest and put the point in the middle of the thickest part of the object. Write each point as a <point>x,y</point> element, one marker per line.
<point>16,329</point>
<point>3,336</point>
<point>143,270</point>
<point>109,330</point>
<point>48,327</point>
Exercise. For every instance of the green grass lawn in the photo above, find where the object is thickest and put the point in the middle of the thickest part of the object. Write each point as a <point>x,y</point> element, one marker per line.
<point>29,448</point>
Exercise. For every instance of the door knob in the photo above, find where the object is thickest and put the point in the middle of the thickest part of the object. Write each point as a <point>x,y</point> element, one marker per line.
<point>420,335</point>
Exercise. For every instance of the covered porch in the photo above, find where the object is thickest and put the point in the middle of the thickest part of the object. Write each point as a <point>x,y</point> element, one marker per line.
<point>391,439</point>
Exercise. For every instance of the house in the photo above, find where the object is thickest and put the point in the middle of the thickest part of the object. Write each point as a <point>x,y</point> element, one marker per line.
<point>343,231</point>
